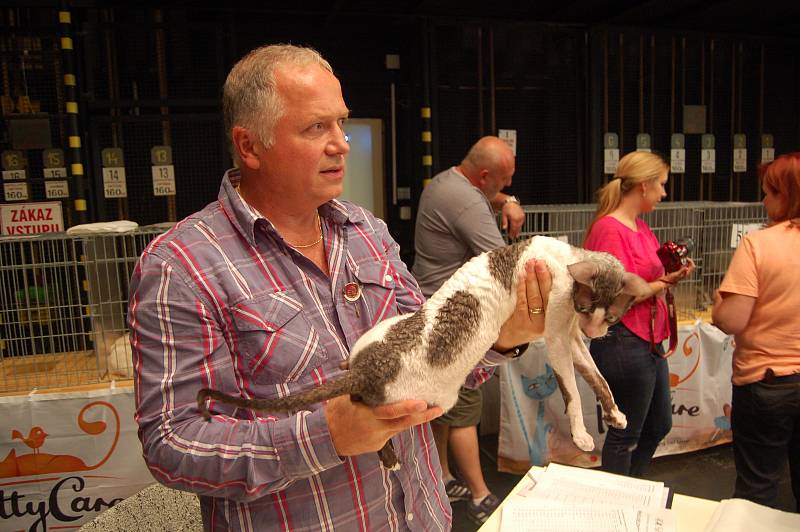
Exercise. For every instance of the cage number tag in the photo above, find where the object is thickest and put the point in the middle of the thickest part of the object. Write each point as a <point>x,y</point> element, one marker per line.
<point>164,180</point>
<point>15,191</point>
<point>739,159</point>
<point>610,160</point>
<point>708,161</point>
<point>677,160</point>
<point>50,173</point>
<point>56,189</point>
<point>740,230</point>
<point>114,183</point>
<point>13,174</point>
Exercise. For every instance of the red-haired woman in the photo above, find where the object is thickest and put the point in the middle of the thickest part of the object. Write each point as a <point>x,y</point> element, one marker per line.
<point>759,302</point>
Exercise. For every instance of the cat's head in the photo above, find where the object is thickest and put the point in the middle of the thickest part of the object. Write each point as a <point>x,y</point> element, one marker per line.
<point>603,292</point>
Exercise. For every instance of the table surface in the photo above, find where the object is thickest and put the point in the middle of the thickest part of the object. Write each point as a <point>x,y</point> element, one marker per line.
<point>691,513</point>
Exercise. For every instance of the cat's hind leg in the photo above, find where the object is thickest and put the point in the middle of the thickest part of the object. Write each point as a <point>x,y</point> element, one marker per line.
<point>558,352</point>
<point>585,365</point>
<point>388,457</point>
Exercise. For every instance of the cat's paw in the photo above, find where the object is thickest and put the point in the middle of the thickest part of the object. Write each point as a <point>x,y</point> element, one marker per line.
<point>582,440</point>
<point>616,419</point>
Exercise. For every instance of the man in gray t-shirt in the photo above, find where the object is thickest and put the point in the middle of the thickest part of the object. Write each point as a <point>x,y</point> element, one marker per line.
<point>455,222</point>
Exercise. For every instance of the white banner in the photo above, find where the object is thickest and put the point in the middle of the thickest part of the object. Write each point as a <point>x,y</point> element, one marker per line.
<point>67,457</point>
<point>534,429</point>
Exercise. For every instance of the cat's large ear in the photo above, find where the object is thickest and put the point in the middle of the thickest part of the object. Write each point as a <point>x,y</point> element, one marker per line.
<point>635,286</point>
<point>583,272</point>
<point>582,296</point>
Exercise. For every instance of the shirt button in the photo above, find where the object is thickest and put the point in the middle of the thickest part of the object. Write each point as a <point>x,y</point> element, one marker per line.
<point>410,517</point>
<point>387,278</point>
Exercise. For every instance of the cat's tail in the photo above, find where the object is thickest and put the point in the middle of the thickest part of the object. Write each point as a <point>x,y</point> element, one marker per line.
<point>346,385</point>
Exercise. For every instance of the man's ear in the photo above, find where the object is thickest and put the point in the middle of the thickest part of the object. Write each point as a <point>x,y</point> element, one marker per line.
<point>247,146</point>
<point>483,175</point>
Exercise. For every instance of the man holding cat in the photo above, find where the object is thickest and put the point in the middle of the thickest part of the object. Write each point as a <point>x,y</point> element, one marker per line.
<point>456,222</point>
<point>262,294</point>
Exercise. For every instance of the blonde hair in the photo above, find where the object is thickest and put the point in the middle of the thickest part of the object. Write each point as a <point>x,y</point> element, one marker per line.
<point>250,96</point>
<point>634,169</point>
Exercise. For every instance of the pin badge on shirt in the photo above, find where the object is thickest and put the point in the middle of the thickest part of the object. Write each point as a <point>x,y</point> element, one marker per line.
<point>352,292</point>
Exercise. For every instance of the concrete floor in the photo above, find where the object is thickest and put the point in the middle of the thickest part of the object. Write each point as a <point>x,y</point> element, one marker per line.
<point>709,474</point>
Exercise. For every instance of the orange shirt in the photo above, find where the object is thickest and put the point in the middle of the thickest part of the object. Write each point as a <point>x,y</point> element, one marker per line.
<point>766,266</point>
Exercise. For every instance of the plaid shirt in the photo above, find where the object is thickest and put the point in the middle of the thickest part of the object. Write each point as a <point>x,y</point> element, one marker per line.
<point>222,301</point>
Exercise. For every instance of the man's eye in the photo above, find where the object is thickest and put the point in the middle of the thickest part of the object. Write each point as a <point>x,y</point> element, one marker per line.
<point>585,310</point>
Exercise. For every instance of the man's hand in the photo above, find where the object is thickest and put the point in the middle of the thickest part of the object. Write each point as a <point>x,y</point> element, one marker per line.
<point>512,218</point>
<point>357,429</point>
<point>527,321</point>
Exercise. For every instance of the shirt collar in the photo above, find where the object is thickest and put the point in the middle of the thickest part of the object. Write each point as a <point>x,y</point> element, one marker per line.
<point>247,219</point>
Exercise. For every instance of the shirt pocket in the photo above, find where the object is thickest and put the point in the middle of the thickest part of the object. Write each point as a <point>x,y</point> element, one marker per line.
<point>275,340</point>
<point>378,300</point>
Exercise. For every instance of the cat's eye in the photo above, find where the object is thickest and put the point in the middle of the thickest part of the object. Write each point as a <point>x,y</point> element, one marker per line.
<point>611,320</point>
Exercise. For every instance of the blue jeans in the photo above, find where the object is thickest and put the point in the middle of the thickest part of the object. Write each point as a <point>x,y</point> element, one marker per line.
<point>639,381</point>
<point>765,419</point>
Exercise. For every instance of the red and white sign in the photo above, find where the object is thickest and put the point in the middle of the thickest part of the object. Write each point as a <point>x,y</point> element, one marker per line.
<point>31,218</point>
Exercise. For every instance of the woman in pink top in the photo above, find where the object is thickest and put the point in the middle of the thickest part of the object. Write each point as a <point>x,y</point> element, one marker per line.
<point>630,357</point>
<point>759,302</point>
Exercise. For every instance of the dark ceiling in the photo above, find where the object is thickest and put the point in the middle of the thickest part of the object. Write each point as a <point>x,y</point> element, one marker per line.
<point>747,17</point>
<point>727,16</point>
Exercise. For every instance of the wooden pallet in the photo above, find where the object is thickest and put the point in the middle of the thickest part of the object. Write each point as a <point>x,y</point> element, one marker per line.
<point>22,374</point>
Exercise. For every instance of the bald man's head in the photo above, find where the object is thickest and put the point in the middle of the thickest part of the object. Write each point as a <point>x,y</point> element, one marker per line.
<point>489,165</point>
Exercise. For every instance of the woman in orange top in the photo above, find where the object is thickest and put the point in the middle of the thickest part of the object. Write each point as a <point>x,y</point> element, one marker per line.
<point>759,303</point>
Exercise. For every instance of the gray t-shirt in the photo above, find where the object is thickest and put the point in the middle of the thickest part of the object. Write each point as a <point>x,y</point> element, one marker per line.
<point>455,222</point>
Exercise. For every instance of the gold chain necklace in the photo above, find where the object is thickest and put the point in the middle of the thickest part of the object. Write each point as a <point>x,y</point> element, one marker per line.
<point>317,241</point>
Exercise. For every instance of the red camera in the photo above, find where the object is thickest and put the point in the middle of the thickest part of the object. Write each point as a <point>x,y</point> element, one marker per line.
<point>675,255</point>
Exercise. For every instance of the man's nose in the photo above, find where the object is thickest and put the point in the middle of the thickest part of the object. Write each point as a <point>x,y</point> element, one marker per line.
<point>339,144</point>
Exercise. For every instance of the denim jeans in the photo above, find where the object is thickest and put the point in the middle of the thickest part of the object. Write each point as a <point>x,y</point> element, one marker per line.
<point>765,419</point>
<point>639,381</point>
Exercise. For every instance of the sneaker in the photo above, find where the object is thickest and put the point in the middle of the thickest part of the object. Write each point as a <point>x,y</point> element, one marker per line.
<point>457,490</point>
<point>479,513</point>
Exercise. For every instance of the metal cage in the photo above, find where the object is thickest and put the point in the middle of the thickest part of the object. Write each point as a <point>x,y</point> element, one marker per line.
<point>714,227</point>
<point>63,304</point>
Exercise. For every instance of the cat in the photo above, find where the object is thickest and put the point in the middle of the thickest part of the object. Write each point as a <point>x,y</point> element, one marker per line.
<point>428,354</point>
<point>115,357</point>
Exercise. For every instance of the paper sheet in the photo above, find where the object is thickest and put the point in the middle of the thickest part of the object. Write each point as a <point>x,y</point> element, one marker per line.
<point>733,515</point>
<point>542,516</point>
<point>585,486</point>
<point>562,498</point>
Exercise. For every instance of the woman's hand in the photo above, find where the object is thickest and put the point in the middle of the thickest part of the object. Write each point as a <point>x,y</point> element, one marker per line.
<point>679,275</point>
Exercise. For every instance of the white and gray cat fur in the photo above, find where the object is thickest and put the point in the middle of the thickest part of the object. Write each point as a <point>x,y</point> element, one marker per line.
<point>429,353</point>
